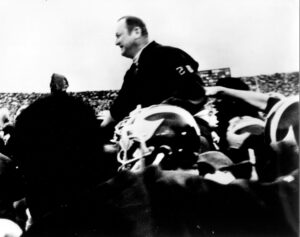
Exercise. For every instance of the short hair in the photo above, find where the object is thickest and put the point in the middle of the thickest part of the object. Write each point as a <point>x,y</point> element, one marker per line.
<point>132,21</point>
<point>58,83</point>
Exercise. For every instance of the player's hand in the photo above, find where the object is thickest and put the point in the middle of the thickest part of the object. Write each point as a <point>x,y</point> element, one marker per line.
<point>212,90</point>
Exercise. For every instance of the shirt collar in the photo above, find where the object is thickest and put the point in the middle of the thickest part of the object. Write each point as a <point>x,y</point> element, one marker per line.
<point>137,56</point>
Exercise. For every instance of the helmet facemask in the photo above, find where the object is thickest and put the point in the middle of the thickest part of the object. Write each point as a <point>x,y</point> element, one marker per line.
<point>158,135</point>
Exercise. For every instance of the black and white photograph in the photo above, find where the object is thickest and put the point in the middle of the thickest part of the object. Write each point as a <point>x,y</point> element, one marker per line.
<point>162,118</point>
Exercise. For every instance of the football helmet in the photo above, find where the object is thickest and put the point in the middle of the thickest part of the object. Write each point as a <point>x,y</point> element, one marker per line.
<point>240,128</point>
<point>163,135</point>
<point>283,121</point>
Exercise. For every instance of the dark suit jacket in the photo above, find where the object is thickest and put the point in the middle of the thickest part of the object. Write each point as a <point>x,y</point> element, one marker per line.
<point>163,72</point>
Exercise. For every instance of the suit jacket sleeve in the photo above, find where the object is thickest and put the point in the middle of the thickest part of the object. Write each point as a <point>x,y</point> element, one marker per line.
<point>189,93</point>
<point>125,101</point>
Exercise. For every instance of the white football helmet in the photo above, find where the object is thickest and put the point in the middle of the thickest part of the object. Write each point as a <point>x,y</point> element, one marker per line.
<point>162,135</point>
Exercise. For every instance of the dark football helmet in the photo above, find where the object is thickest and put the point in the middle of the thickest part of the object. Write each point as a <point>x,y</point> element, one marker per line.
<point>162,135</point>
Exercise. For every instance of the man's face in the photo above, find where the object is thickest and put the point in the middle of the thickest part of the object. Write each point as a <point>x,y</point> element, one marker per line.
<point>125,40</point>
<point>58,85</point>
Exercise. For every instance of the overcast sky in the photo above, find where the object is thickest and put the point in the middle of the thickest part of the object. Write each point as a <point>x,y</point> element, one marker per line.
<point>76,38</point>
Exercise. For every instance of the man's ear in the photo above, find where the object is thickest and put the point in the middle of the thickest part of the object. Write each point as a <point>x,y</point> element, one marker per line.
<point>137,31</point>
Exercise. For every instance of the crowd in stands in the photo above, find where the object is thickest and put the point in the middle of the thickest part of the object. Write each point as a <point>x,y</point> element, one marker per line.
<point>284,83</point>
<point>100,100</point>
<point>232,169</point>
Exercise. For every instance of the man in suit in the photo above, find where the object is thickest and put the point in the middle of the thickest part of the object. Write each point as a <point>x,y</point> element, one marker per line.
<point>158,74</point>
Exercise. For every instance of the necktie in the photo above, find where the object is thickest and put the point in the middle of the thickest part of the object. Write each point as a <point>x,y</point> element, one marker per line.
<point>134,68</point>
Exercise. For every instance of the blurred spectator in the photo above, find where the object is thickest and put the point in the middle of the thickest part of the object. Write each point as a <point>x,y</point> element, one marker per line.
<point>4,117</point>
<point>58,84</point>
<point>58,149</point>
<point>60,136</point>
<point>5,127</point>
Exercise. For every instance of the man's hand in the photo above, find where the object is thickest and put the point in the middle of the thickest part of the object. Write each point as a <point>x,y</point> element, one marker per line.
<point>106,118</point>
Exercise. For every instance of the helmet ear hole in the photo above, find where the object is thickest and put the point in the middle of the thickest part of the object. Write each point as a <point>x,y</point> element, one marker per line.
<point>158,155</point>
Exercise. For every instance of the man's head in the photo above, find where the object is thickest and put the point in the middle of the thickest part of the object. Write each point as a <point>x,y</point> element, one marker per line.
<point>59,83</point>
<point>131,35</point>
